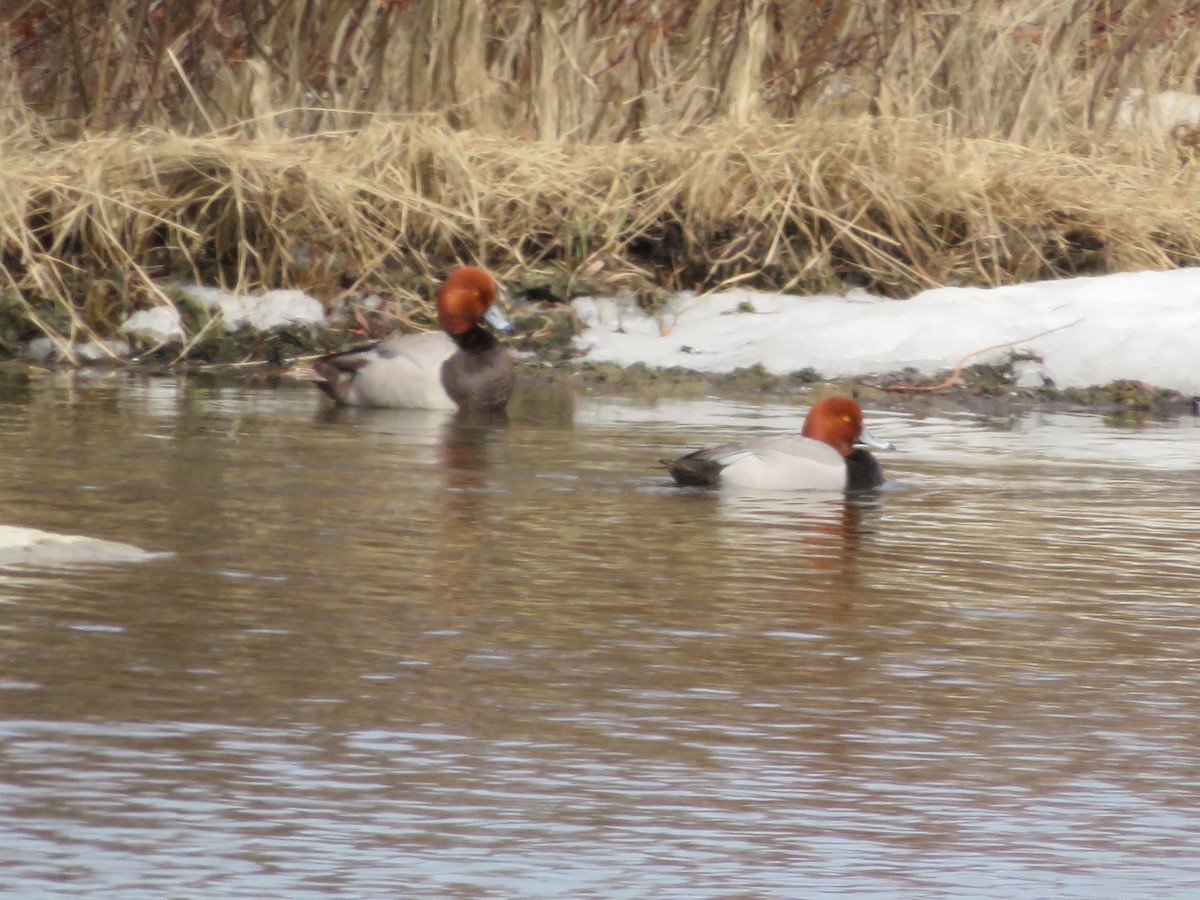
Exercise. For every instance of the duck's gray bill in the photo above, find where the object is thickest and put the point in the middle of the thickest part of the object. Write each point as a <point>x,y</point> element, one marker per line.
<point>496,319</point>
<point>869,440</point>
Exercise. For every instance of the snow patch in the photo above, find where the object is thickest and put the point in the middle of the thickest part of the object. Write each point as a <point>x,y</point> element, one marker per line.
<point>1143,326</point>
<point>1158,112</point>
<point>158,324</point>
<point>265,312</point>
<point>45,349</point>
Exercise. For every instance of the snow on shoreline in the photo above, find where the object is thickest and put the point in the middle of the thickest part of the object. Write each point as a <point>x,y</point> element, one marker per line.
<point>262,312</point>
<point>1139,326</point>
<point>1143,326</point>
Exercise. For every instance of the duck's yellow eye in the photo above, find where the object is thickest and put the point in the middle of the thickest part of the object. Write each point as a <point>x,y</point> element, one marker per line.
<point>846,419</point>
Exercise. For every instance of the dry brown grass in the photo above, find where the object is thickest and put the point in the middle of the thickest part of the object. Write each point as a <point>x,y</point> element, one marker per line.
<point>1028,71</point>
<point>590,145</point>
<point>897,206</point>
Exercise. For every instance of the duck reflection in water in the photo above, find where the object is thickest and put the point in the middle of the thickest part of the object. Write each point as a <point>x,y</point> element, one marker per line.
<point>800,533</point>
<point>457,447</point>
<point>463,447</point>
<point>473,526</point>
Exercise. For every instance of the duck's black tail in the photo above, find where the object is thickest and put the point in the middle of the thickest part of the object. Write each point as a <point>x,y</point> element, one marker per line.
<point>694,470</point>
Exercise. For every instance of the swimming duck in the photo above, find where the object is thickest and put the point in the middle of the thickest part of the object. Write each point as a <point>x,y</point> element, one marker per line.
<point>462,366</point>
<point>823,457</point>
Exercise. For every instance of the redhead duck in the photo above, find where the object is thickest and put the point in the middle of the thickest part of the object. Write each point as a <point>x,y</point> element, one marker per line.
<point>464,367</point>
<point>824,457</point>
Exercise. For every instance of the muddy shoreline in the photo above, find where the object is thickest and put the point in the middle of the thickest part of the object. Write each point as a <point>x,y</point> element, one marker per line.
<point>977,391</point>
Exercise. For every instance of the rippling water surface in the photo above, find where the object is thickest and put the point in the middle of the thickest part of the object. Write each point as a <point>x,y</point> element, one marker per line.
<point>392,655</point>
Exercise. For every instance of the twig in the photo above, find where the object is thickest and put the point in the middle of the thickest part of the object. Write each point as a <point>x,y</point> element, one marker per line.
<point>954,376</point>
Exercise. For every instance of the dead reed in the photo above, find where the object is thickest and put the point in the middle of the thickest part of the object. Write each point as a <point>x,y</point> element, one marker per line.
<point>1029,71</point>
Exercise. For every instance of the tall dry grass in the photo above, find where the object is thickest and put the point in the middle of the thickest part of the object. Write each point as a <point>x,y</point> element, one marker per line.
<point>590,143</point>
<point>589,70</point>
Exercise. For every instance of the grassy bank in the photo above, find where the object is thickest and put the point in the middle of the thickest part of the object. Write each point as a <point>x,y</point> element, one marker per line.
<point>577,147</point>
<point>93,227</point>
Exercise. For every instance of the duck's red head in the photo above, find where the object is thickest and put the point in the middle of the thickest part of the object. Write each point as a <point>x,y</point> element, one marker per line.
<point>464,298</point>
<point>838,421</point>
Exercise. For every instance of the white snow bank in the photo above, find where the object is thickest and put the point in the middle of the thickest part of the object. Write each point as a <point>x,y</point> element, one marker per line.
<point>29,546</point>
<point>1143,326</point>
<point>44,348</point>
<point>158,324</point>
<point>264,312</point>
<point>1158,112</point>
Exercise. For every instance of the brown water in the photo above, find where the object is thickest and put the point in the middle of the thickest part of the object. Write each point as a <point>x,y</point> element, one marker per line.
<point>390,656</point>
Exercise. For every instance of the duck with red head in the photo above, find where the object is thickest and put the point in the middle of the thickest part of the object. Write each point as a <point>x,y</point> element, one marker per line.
<point>829,454</point>
<point>463,366</point>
